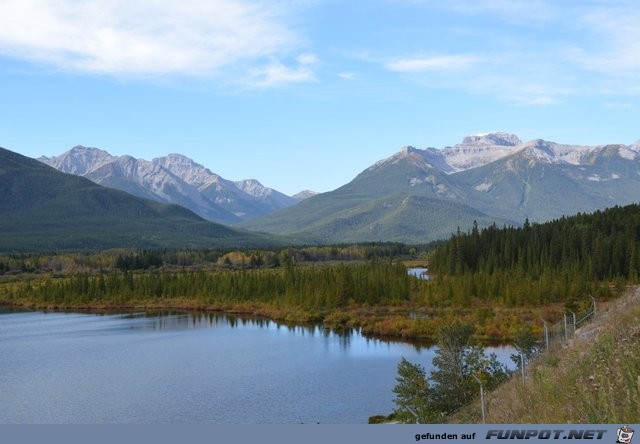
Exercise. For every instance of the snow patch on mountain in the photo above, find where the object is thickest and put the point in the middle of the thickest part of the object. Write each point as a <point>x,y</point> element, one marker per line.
<point>484,186</point>
<point>630,152</point>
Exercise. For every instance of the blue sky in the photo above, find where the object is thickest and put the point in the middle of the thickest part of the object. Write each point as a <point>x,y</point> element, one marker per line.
<point>305,94</point>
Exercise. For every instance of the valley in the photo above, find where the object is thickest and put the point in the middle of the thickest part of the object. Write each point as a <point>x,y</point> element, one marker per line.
<point>338,262</point>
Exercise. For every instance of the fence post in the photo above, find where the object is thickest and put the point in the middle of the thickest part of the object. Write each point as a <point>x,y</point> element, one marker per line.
<point>594,305</point>
<point>566,337</point>
<point>546,334</point>
<point>521,360</point>
<point>522,366</point>
<point>481,397</point>
<point>415,415</point>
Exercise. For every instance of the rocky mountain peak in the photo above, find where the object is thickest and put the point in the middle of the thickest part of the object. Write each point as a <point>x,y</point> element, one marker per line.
<point>253,187</point>
<point>479,149</point>
<point>176,159</point>
<point>497,138</point>
<point>78,160</point>
<point>186,169</point>
<point>174,178</point>
<point>302,195</point>
<point>407,149</point>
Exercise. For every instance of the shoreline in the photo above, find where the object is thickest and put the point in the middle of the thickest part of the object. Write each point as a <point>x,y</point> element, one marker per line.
<point>388,323</point>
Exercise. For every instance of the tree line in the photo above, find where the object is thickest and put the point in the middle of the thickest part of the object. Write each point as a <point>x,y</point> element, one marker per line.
<point>605,245</point>
<point>307,287</point>
<point>558,261</point>
<point>134,259</point>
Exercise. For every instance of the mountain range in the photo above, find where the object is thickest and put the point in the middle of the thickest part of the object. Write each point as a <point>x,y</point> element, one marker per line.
<point>413,196</point>
<point>42,209</point>
<point>176,179</point>
<point>420,195</point>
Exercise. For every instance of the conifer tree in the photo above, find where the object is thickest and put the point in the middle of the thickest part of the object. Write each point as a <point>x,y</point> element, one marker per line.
<point>413,395</point>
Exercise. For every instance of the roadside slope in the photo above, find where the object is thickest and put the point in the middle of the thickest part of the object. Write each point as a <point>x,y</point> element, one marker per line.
<point>595,378</point>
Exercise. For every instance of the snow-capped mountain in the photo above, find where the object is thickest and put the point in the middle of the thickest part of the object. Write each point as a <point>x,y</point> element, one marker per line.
<point>475,150</point>
<point>482,149</point>
<point>492,176</point>
<point>174,179</point>
<point>479,149</point>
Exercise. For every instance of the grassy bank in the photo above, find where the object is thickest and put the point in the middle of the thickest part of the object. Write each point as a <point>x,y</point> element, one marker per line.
<point>594,378</point>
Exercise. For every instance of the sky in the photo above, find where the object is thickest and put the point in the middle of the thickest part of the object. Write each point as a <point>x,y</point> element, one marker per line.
<point>305,94</point>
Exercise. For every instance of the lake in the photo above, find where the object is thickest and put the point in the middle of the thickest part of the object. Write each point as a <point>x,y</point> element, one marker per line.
<point>192,368</point>
<point>419,272</point>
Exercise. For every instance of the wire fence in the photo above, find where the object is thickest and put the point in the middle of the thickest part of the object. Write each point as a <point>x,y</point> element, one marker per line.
<point>559,333</point>
<point>564,330</point>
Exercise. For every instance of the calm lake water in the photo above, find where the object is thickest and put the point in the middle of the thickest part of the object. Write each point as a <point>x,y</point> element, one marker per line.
<point>191,368</point>
<point>420,273</point>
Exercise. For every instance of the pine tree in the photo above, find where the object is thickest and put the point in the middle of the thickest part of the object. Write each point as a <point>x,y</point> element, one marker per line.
<point>453,388</point>
<point>412,395</point>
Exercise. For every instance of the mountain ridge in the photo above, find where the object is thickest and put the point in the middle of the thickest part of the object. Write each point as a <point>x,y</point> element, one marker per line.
<point>495,174</point>
<point>44,209</point>
<point>489,177</point>
<point>174,178</point>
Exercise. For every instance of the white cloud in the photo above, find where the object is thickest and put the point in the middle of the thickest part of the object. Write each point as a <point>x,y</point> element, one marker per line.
<point>277,73</point>
<point>347,75</point>
<point>144,37</point>
<point>439,63</point>
<point>510,77</point>
<point>590,47</point>
<point>307,59</point>
<point>616,47</point>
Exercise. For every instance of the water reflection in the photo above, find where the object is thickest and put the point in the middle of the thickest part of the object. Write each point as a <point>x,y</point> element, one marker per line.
<point>176,322</point>
<point>193,368</point>
<point>167,321</point>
